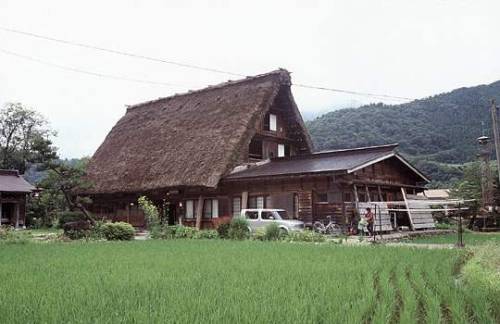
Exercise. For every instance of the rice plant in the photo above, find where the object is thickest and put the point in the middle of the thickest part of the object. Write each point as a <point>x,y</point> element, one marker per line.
<point>216,281</point>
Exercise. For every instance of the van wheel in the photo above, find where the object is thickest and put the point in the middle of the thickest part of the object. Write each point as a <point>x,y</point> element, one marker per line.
<point>283,232</point>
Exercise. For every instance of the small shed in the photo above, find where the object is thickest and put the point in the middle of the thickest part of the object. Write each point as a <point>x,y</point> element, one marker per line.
<point>13,193</point>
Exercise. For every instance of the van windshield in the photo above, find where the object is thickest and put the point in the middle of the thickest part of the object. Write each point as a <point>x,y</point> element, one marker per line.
<point>280,214</point>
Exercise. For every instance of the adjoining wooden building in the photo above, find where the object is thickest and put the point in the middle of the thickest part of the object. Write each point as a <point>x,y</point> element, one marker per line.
<point>13,194</point>
<point>204,155</point>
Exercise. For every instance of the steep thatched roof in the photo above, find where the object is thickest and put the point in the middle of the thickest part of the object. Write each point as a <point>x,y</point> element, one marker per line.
<point>191,139</point>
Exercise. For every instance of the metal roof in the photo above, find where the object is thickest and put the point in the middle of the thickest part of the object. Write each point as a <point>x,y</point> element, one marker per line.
<point>338,161</point>
<point>11,181</point>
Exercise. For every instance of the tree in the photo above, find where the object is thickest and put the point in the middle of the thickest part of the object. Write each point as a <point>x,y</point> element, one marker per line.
<point>24,137</point>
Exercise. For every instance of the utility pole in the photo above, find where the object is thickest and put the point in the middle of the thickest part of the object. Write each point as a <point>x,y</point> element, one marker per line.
<point>494,125</point>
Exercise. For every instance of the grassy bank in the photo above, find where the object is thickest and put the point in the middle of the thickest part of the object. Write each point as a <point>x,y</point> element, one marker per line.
<point>188,281</point>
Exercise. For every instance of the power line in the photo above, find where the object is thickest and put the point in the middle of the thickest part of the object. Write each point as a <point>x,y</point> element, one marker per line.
<point>96,74</point>
<point>185,65</point>
<point>102,49</point>
<point>353,92</point>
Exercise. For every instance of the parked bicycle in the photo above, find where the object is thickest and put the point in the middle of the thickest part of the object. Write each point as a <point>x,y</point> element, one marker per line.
<point>331,228</point>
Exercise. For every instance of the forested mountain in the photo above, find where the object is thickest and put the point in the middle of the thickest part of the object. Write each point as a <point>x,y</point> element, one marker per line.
<point>433,132</point>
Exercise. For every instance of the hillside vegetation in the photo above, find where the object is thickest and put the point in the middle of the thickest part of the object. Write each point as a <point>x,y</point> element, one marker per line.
<point>437,133</point>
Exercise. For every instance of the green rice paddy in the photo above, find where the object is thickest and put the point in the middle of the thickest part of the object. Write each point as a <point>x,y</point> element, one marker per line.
<point>196,281</point>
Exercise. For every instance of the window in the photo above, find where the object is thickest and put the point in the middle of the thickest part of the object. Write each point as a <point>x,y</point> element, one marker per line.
<point>347,196</point>
<point>281,150</point>
<point>236,206</point>
<point>252,214</point>
<point>335,196</point>
<point>210,208</point>
<point>207,208</point>
<point>322,197</point>
<point>266,215</point>
<point>255,149</point>
<point>189,209</point>
<point>256,202</point>
<point>272,122</point>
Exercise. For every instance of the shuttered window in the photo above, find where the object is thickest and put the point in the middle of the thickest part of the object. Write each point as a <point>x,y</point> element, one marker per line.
<point>189,209</point>
<point>236,206</point>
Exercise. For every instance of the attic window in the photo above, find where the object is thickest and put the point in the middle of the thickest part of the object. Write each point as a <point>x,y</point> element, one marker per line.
<point>270,123</point>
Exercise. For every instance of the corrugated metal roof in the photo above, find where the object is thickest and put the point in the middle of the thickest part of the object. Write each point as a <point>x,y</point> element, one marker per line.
<point>331,161</point>
<point>11,181</point>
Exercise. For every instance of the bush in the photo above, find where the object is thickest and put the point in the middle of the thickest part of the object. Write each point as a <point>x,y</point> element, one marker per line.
<point>259,234</point>
<point>238,229</point>
<point>151,213</point>
<point>182,231</point>
<point>223,230</point>
<point>69,217</point>
<point>117,231</point>
<point>305,236</point>
<point>206,234</point>
<point>272,232</point>
<point>9,235</point>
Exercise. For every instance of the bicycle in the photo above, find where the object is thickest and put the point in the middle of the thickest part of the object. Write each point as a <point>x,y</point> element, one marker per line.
<point>331,228</point>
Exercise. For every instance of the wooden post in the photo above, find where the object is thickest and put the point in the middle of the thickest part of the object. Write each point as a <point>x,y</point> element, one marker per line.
<point>380,197</point>
<point>407,208</point>
<point>356,198</point>
<point>368,198</point>
<point>16,208</point>
<point>244,200</point>
<point>199,212</point>
<point>494,122</point>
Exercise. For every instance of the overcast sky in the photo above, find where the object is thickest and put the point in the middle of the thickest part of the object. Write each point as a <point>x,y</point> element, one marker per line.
<point>403,48</point>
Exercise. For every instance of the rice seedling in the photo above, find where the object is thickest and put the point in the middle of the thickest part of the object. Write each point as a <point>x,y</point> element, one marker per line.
<point>215,281</point>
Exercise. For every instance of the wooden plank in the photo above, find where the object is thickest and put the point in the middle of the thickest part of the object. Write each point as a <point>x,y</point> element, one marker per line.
<point>403,191</point>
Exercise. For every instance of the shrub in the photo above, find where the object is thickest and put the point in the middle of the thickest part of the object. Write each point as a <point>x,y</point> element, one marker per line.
<point>272,232</point>
<point>151,213</point>
<point>117,231</point>
<point>185,232</point>
<point>69,217</point>
<point>259,234</point>
<point>206,234</point>
<point>223,230</point>
<point>305,236</point>
<point>238,229</point>
<point>9,235</point>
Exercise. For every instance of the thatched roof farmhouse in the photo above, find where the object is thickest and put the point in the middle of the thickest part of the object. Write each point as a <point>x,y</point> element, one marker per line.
<point>204,155</point>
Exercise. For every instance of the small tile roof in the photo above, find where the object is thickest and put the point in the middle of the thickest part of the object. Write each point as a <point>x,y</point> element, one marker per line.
<point>11,181</point>
<point>346,161</point>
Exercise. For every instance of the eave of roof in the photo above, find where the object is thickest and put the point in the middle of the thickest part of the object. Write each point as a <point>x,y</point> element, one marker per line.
<point>11,181</point>
<point>332,162</point>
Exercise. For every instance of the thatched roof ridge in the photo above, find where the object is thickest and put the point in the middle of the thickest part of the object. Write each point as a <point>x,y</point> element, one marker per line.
<point>191,139</point>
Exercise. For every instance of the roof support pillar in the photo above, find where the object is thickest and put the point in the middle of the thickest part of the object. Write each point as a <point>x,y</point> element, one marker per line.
<point>16,210</point>
<point>199,212</point>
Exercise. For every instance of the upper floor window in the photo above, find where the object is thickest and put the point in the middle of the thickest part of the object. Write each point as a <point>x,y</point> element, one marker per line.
<point>270,123</point>
<point>281,150</point>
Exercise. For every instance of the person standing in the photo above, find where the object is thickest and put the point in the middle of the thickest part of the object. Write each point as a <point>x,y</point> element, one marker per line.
<point>370,219</point>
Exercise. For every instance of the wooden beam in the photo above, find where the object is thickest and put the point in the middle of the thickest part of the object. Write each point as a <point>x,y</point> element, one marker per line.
<point>368,194</point>
<point>199,212</point>
<point>356,198</point>
<point>403,190</point>
<point>380,197</point>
